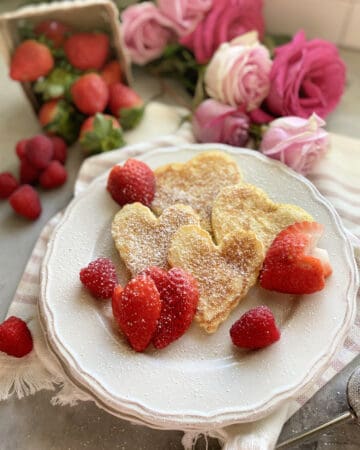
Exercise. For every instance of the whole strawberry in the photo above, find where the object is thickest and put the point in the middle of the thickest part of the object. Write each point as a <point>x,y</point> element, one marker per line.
<point>90,94</point>
<point>133,182</point>
<point>8,184</point>
<point>125,104</point>
<point>87,50</point>
<point>136,310</point>
<point>60,118</point>
<point>30,61</point>
<point>99,277</point>
<point>255,329</point>
<point>53,30</point>
<point>101,133</point>
<point>15,337</point>
<point>25,201</point>
<point>179,295</point>
<point>112,72</point>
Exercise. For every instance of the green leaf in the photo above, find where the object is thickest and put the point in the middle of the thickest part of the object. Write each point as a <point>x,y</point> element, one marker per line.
<point>130,117</point>
<point>66,122</point>
<point>103,137</point>
<point>56,84</point>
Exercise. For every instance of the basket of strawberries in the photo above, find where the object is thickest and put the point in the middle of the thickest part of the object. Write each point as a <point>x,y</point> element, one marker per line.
<point>70,61</point>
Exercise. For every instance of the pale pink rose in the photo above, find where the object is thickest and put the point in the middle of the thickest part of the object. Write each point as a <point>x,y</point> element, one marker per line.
<point>306,77</point>
<point>238,73</point>
<point>295,141</point>
<point>146,32</point>
<point>216,122</point>
<point>185,14</point>
<point>226,20</point>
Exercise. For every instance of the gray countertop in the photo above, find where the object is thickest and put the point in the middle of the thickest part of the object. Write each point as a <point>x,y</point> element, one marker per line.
<point>32,423</point>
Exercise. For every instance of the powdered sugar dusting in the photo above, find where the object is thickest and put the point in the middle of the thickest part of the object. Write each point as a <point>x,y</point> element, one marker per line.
<point>142,239</point>
<point>195,183</point>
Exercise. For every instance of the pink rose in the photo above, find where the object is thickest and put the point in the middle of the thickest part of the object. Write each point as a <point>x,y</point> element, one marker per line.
<point>226,20</point>
<point>297,142</point>
<point>146,32</point>
<point>185,14</point>
<point>238,73</point>
<point>306,77</point>
<point>216,122</point>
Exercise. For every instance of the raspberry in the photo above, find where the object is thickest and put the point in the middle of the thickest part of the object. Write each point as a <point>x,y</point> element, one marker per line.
<point>15,337</point>
<point>39,151</point>
<point>255,329</point>
<point>179,295</point>
<point>53,176</point>
<point>99,277</point>
<point>60,149</point>
<point>8,184</point>
<point>25,201</point>
<point>134,182</point>
<point>28,174</point>
<point>21,148</point>
<point>136,310</point>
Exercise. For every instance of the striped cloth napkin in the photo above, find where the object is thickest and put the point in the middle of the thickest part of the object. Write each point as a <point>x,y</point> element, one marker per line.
<point>336,177</point>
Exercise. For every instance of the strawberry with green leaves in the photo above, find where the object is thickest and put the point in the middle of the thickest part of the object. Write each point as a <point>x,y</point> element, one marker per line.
<point>53,30</point>
<point>60,118</point>
<point>101,133</point>
<point>125,104</point>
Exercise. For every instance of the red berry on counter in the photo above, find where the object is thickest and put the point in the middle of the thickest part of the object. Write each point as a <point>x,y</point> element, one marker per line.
<point>55,31</point>
<point>136,309</point>
<point>25,201</point>
<point>90,93</point>
<point>53,176</point>
<point>179,295</point>
<point>28,173</point>
<point>15,337</point>
<point>60,149</point>
<point>293,264</point>
<point>8,184</point>
<point>87,50</point>
<point>112,72</point>
<point>125,104</point>
<point>99,277</point>
<point>30,61</point>
<point>255,329</point>
<point>20,148</point>
<point>39,151</point>
<point>132,182</point>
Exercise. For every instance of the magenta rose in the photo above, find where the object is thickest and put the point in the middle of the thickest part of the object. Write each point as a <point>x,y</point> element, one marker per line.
<point>185,14</point>
<point>295,141</point>
<point>216,122</point>
<point>306,77</point>
<point>146,32</point>
<point>226,20</point>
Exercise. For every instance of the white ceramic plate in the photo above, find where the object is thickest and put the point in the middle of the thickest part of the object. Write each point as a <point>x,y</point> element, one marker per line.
<point>200,381</point>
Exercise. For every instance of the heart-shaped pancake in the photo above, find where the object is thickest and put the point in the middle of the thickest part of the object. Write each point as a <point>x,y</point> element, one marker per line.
<point>224,273</point>
<point>249,208</point>
<point>142,239</point>
<point>195,183</point>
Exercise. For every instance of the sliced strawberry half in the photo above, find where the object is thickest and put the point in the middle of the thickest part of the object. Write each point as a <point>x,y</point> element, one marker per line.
<point>293,263</point>
<point>179,295</point>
